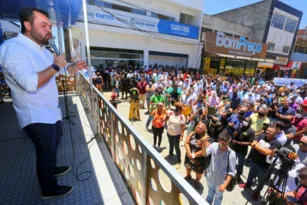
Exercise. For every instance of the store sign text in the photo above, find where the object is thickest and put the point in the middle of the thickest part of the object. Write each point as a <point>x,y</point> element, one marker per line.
<point>235,44</point>
<point>175,27</point>
<point>222,44</point>
<point>121,19</point>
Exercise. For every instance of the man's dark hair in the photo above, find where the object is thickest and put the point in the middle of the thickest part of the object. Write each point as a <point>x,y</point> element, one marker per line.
<point>27,14</point>
<point>224,136</point>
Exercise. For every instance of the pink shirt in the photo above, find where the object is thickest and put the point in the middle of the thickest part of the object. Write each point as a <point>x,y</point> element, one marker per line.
<point>213,101</point>
<point>300,125</point>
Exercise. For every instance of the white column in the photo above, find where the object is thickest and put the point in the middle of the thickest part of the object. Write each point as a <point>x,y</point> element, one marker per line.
<point>146,57</point>
<point>60,37</point>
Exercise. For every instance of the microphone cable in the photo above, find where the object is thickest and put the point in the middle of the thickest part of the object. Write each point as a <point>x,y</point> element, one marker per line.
<point>76,173</point>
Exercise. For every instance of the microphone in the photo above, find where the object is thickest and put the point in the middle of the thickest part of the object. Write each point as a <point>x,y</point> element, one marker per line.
<point>52,44</point>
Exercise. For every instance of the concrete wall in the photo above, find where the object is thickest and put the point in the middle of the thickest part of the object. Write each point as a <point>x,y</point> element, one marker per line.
<point>281,37</point>
<point>171,8</point>
<point>254,16</point>
<point>224,25</point>
<point>111,37</point>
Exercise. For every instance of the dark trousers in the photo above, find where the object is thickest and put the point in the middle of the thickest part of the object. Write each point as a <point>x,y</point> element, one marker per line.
<point>174,142</point>
<point>150,118</point>
<point>125,92</point>
<point>157,132</point>
<point>46,138</point>
<point>241,158</point>
<point>259,171</point>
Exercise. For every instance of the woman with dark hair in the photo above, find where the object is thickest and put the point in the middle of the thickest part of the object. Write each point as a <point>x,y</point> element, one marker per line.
<point>158,123</point>
<point>98,81</point>
<point>175,128</point>
<point>194,160</point>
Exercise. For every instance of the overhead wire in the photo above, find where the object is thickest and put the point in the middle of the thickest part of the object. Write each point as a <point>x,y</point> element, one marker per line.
<point>151,34</point>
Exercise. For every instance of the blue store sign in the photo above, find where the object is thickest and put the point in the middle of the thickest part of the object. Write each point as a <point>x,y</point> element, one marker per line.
<point>133,21</point>
<point>178,29</point>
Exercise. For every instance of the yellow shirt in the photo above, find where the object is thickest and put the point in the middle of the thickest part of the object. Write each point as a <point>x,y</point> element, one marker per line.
<point>257,123</point>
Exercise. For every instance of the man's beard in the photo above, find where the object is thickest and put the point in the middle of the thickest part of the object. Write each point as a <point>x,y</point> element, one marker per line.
<point>40,40</point>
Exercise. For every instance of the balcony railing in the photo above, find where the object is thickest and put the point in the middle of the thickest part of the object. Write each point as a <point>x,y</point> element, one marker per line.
<point>151,179</point>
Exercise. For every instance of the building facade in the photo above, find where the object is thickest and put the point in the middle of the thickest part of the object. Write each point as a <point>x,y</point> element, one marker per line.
<point>299,55</point>
<point>269,22</point>
<point>141,33</point>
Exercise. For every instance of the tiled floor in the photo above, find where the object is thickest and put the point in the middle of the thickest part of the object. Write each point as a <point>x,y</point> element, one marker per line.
<point>18,180</point>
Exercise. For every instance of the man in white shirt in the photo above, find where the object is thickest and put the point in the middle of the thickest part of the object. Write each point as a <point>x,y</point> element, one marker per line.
<point>30,71</point>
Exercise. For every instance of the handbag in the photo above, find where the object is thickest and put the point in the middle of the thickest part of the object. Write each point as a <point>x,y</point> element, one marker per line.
<point>231,185</point>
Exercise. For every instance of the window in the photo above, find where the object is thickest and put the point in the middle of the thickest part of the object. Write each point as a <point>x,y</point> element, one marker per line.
<point>171,18</point>
<point>290,25</point>
<point>186,19</point>
<point>138,11</point>
<point>285,49</point>
<point>121,8</point>
<point>159,16</point>
<point>103,4</point>
<point>206,30</point>
<point>228,34</point>
<point>278,21</point>
<point>271,46</point>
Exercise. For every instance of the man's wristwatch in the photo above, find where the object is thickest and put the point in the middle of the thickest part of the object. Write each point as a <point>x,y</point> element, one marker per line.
<point>55,67</point>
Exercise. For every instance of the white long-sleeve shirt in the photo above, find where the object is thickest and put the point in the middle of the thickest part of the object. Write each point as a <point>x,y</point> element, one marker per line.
<point>22,59</point>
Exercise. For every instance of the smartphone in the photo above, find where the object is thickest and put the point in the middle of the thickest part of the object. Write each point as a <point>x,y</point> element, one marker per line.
<point>292,200</point>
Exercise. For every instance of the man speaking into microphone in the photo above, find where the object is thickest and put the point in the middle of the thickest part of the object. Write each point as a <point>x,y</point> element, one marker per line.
<point>30,70</point>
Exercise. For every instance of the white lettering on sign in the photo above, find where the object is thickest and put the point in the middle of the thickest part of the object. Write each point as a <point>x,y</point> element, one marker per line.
<point>181,28</point>
<point>230,43</point>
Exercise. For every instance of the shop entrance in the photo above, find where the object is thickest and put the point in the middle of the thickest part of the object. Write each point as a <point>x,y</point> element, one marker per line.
<point>157,59</point>
<point>103,58</point>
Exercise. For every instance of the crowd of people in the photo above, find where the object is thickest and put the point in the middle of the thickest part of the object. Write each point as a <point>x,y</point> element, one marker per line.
<point>231,122</point>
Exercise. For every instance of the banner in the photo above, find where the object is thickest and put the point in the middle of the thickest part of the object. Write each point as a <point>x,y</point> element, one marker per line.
<point>286,81</point>
<point>112,17</point>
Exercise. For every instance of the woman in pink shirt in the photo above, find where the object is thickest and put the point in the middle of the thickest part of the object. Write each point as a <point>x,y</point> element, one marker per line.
<point>213,103</point>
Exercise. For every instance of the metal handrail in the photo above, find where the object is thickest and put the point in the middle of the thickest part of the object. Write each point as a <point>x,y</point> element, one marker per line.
<point>183,186</point>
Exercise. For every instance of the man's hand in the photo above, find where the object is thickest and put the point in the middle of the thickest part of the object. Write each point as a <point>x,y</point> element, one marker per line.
<point>189,155</point>
<point>181,137</point>
<point>222,188</point>
<point>79,65</point>
<point>202,141</point>
<point>254,143</point>
<point>235,142</point>
<point>60,61</point>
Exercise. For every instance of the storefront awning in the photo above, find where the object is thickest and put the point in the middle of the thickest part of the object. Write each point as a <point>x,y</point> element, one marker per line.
<point>284,68</point>
<point>246,58</point>
<point>63,12</point>
<point>265,65</point>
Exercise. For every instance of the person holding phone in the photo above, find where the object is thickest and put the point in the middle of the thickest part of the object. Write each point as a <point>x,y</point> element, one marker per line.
<point>218,177</point>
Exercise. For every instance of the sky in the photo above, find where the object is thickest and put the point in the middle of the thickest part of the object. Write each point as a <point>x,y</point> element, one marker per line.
<point>217,6</point>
